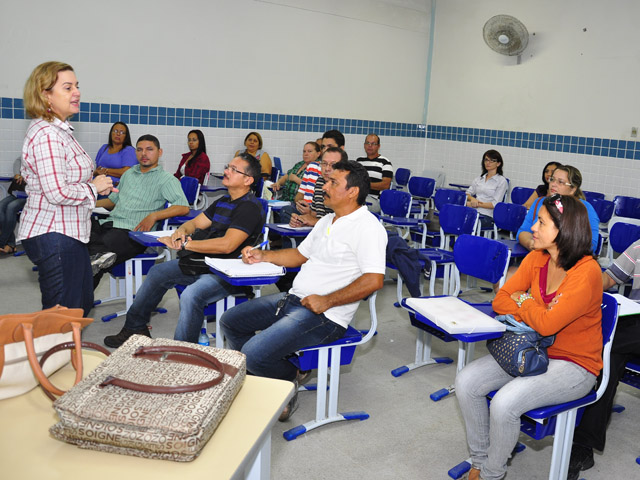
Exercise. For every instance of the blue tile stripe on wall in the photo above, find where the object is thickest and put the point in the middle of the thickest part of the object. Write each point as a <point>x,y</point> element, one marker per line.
<point>13,108</point>
<point>604,147</point>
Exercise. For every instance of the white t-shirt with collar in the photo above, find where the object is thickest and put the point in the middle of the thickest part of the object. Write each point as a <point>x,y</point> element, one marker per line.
<point>338,253</point>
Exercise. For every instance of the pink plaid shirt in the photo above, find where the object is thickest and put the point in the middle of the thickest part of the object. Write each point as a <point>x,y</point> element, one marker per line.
<point>57,172</point>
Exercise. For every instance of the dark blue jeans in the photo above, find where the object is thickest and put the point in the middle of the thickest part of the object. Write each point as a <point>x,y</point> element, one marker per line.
<point>64,270</point>
<point>294,327</point>
<point>9,208</point>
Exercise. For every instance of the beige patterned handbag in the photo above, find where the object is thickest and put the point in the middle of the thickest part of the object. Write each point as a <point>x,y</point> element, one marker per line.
<point>155,398</point>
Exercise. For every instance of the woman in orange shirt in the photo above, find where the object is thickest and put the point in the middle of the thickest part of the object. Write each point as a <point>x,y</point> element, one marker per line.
<point>557,291</point>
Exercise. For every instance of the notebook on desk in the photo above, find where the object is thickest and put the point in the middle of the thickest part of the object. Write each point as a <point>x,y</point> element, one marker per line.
<point>286,226</point>
<point>235,267</point>
<point>454,316</point>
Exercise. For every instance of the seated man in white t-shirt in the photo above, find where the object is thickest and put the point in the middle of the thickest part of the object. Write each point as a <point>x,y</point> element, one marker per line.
<point>342,262</point>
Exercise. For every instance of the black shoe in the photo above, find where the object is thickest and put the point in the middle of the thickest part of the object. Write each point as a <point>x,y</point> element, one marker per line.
<point>102,261</point>
<point>114,341</point>
<point>581,459</point>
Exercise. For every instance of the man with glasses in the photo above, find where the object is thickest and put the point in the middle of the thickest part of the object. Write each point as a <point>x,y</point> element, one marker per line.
<point>309,214</point>
<point>138,205</point>
<point>231,223</point>
<point>379,168</point>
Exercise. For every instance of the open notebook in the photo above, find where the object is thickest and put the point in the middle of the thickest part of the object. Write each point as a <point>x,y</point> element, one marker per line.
<point>235,267</point>
<point>454,316</point>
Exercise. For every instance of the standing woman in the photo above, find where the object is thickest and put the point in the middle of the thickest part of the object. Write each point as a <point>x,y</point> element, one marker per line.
<point>253,142</point>
<point>55,223</point>
<point>556,291</point>
<point>195,163</point>
<point>117,156</point>
<point>489,188</point>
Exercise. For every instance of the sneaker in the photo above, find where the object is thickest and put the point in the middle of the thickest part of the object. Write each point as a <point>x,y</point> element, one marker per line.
<point>102,261</point>
<point>114,341</point>
<point>292,406</point>
<point>581,459</point>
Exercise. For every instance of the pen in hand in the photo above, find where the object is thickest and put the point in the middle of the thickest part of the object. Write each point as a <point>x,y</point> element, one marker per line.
<point>257,246</point>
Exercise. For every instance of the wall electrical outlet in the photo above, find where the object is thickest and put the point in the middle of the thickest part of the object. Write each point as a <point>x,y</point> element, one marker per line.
<point>634,132</point>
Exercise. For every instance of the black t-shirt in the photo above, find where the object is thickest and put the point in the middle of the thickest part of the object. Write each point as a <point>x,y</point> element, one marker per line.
<point>245,213</point>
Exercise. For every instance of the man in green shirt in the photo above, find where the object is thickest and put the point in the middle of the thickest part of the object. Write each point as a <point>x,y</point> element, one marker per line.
<point>139,205</point>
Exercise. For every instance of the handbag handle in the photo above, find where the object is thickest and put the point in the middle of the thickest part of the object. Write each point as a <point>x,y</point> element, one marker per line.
<point>68,346</point>
<point>178,354</point>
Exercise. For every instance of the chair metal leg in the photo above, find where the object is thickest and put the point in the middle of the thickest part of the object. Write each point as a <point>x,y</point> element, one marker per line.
<point>563,438</point>
<point>423,355</point>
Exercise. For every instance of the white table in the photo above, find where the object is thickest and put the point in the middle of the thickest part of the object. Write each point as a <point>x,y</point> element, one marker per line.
<point>240,447</point>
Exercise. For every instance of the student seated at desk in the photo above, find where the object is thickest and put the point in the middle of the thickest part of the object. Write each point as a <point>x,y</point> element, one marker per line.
<point>195,163</point>
<point>592,431</point>
<point>557,291</point>
<point>342,261</point>
<point>233,221</point>
<point>489,188</point>
<point>138,205</point>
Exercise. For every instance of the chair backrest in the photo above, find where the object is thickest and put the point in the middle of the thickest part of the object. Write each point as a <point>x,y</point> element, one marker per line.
<point>609,322</point>
<point>395,203</point>
<point>622,235</point>
<point>458,219</point>
<point>509,216</point>
<point>422,187</point>
<point>481,257</point>
<point>519,195</point>
<point>627,206</point>
<point>438,175</point>
<point>604,208</point>
<point>401,177</point>
<point>266,208</point>
<point>278,164</point>
<point>191,189</point>
<point>591,195</point>
<point>448,195</point>
<point>275,173</point>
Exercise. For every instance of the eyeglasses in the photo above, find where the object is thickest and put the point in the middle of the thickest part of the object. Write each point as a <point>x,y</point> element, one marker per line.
<point>559,181</point>
<point>235,170</point>
<point>491,160</point>
<point>327,164</point>
<point>370,144</point>
<point>119,132</point>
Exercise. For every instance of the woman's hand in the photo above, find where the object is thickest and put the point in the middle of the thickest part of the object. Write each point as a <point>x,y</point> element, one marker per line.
<point>472,202</point>
<point>104,185</point>
<point>554,302</point>
<point>18,178</point>
<point>515,296</point>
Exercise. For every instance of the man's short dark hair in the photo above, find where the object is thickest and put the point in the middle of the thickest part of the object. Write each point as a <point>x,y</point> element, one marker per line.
<point>357,176</point>
<point>343,155</point>
<point>336,135</point>
<point>149,138</point>
<point>253,168</point>
<point>373,135</point>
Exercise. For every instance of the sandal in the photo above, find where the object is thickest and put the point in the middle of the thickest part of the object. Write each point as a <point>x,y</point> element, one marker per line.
<point>11,250</point>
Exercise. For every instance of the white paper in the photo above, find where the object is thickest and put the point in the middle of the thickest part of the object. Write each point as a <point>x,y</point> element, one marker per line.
<point>101,211</point>
<point>286,226</point>
<point>455,316</point>
<point>235,267</point>
<point>278,203</point>
<point>626,306</point>
<point>160,233</point>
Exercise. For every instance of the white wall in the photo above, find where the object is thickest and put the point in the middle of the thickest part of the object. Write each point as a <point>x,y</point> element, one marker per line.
<point>570,81</point>
<point>351,59</point>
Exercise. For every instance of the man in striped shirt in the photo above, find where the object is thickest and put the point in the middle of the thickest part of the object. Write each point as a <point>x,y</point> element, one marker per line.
<point>379,168</point>
<point>144,190</point>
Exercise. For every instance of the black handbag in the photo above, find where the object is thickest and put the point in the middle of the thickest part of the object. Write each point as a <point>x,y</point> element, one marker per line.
<point>521,351</point>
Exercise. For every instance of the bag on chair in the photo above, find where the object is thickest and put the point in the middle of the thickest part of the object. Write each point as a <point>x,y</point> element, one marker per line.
<point>521,351</point>
<point>154,398</point>
<point>26,342</point>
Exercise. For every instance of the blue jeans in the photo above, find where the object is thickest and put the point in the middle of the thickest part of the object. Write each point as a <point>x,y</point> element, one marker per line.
<point>64,270</point>
<point>294,327</point>
<point>201,291</point>
<point>9,208</point>
<point>491,438</point>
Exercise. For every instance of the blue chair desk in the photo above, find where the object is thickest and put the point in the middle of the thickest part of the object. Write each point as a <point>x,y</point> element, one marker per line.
<point>289,232</point>
<point>428,329</point>
<point>459,186</point>
<point>225,304</point>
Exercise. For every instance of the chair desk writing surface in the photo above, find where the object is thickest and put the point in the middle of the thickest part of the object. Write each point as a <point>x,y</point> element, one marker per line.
<point>291,233</point>
<point>239,448</point>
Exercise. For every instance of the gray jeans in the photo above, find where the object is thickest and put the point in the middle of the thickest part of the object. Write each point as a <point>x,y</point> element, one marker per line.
<point>491,439</point>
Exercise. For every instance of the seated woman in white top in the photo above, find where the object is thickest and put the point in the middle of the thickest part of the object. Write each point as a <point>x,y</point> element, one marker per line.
<point>489,188</point>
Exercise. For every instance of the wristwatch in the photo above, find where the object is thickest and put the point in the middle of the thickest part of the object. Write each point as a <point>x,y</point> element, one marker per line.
<point>184,244</point>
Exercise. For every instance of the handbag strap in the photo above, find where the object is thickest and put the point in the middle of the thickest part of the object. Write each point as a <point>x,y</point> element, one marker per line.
<point>68,346</point>
<point>178,354</point>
